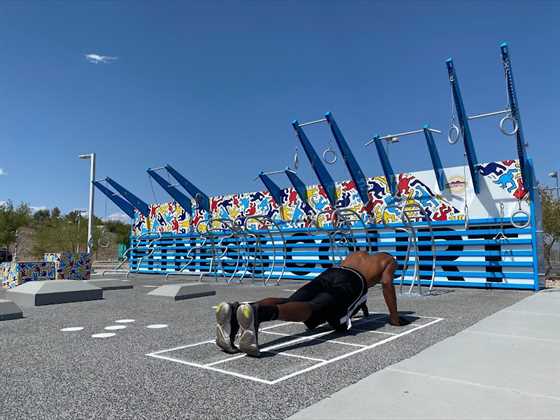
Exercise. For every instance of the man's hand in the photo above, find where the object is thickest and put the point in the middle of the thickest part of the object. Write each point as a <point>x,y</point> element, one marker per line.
<point>398,321</point>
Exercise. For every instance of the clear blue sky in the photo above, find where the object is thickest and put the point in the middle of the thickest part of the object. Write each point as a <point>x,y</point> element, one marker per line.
<point>211,87</point>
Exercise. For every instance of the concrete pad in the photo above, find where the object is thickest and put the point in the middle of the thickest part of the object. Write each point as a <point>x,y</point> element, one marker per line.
<point>391,394</point>
<point>527,323</point>
<point>49,292</point>
<point>183,291</point>
<point>9,310</point>
<point>501,361</point>
<point>111,284</point>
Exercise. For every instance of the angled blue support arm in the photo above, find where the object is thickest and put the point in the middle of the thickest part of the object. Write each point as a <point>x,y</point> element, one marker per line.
<point>177,195</point>
<point>202,199</point>
<point>351,163</point>
<point>514,107</point>
<point>272,188</point>
<point>138,204</point>
<point>464,125</point>
<point>320,170</point>
<point>386,165</point>
<point>120,202</point>
<point>436,161</point>
<point>298,185</point>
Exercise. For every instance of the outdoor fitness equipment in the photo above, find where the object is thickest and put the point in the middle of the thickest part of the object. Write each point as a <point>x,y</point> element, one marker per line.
<point>460,120</point>
<point>258,246</point>
<point>410,211</point>
<point>386,164</point>
<point>343,220</point>
<point>227,231</point>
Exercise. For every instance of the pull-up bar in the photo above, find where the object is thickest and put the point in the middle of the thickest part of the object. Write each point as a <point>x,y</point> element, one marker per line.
<point>120,202</point>
<point>386,164</point>
<point>354,169</point>
<point>320,170</point>
<point>313,122</point>
<point>395,137</point>
<point>202,200</point>
<point>460,127</point>
<point>177,195</point>
<point>274,190</point>
<point>137,202</point>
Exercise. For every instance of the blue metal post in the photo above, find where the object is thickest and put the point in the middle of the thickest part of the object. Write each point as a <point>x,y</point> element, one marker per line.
<point>514,107</point>
<point>436,161</point>
<point>386,165</point>
<point>320,170</point>
<point>298,185</point>
<point>177,195</point>
<point>355,171</point>
<point>138,203</point>
<point>464,125</point>
<point>272,188</point>
<point>120,202</point>
<point>202,199</point>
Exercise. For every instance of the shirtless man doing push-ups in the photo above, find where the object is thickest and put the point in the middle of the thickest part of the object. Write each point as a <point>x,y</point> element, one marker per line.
<point>333,297</point>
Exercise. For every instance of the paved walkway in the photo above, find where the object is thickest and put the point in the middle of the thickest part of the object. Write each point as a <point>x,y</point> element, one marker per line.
<point>506,366</point>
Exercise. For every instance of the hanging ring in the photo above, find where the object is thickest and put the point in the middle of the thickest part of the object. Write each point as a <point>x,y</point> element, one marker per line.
<point>454,133</point>
<point>514,125</point>
<point>296,160</point>
<point>329,152</point>
<point>521,213</point>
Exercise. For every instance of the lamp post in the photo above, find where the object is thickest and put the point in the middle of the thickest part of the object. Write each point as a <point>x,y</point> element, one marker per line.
<point>91,157</point>
<point>555,175</point>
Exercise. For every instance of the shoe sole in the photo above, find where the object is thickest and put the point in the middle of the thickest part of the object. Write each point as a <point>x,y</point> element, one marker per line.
<point>248,336</point>
<point>223,328</point>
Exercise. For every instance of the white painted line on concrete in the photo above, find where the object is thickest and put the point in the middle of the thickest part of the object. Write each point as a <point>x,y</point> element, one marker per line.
<point>352,353</point>
<point>318,339</point>
<point>227,372</point>
<point>103,335</point>
<point>150,285</point>
<point>298,356</point>
<point>211,366</point>
<point>477,384</point>
<point>180,347</point>
<point>115,327</point>
<point>125,321</point>
<point>289,290</point>
<point>156,326</point>
<point>521,337</point>
<point>71,329</point>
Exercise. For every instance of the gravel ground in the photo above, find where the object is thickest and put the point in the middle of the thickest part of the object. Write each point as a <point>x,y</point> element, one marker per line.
<point>47,373</point>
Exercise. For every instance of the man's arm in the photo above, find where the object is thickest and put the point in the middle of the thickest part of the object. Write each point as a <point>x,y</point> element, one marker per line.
<point>389,292</point>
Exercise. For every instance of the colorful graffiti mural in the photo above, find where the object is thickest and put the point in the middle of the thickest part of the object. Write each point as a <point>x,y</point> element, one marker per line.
<point>438,206</point>
<point>59,266</point>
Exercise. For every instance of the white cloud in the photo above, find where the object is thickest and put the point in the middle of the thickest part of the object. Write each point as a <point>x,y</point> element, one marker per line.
<point>3,172</point>
<point>100,59</point>
<point>117,217</point>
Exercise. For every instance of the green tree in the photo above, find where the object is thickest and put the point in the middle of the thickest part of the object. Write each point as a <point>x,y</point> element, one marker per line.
<point>11,219</point>
<point>551,225</point>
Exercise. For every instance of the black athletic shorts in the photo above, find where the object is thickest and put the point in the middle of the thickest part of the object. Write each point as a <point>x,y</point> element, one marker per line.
<point>336,294</point>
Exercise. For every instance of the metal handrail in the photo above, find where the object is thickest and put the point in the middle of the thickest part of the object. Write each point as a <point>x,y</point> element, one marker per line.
<point>406,218</point>
<point>149,254</point>
<point>116,269</point>
<point>284,254</point>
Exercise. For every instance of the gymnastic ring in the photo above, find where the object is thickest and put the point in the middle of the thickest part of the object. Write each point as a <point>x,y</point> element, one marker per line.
<point>332,153</point>
<point>296,160</point>
<point>453,134</point>
<point>520,225</point>
<point>514,123</point>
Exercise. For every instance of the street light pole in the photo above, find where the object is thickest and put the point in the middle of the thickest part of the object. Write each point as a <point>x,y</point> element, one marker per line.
<point>91,158</point>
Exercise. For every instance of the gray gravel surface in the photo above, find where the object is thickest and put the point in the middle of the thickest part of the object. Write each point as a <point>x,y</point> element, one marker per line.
<point>46,373</point>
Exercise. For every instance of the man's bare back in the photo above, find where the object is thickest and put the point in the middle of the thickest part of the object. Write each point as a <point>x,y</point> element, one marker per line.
<point>371,267</point>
